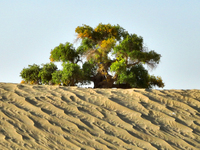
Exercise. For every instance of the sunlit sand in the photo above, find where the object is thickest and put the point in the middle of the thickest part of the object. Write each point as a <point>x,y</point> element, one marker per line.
<point>56,117</point>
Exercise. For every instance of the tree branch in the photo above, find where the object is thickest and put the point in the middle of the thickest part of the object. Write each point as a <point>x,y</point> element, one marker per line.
<point>129,65</point>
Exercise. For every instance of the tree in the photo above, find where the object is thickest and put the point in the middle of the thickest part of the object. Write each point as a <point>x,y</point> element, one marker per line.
<point>71,74</point>
<point>57,77</point>
<point>114,58</point>
<point>46,72</point>
<point>64,52</point>
<point>30,74</point>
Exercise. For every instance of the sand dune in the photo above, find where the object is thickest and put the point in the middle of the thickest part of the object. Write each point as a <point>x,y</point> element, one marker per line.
<point>52,117</point>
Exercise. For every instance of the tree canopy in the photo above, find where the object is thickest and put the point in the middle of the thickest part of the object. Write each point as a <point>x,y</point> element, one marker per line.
<point>31,74</point>
<point>113,58</point>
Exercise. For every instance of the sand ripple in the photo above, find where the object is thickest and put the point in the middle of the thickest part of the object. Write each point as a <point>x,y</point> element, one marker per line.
<point>53,117</point>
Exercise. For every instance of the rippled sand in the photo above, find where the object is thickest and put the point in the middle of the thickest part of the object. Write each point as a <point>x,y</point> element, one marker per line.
<point>52,117</point>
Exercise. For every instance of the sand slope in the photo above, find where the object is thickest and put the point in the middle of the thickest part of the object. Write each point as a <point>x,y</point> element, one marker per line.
<point>53,117</point>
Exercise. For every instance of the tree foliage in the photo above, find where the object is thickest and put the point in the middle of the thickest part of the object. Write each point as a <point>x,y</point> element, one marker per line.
<point>35,74</point>
<point>114,58</point>
<point>30,74</point>
<point>57,77</point>
<point>46,72</point>
<point>64,52</point>
<point>71,74</point>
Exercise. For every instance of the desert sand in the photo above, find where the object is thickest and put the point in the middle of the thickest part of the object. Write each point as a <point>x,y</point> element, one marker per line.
<point>44,117</point>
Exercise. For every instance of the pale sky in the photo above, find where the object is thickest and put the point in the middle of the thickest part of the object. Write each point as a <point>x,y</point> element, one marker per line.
<point>29,29</point>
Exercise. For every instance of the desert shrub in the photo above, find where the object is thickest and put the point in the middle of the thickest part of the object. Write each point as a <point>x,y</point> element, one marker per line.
<point>22,82</point>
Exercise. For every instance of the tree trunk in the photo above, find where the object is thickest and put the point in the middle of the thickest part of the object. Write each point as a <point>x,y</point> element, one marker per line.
<point>98,79</point>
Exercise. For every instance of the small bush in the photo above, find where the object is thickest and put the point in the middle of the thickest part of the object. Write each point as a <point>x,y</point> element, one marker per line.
<point>22,82</point>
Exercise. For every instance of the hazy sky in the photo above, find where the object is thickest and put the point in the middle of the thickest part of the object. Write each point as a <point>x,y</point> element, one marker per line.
<point>29,29</point>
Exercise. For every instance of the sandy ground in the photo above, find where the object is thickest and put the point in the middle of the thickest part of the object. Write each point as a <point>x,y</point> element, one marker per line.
<point>52,117</point>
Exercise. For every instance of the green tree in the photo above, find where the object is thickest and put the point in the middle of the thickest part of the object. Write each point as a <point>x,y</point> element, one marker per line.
<point>30,74</point>
<point>71,74</point>
<point>57,77</point>
<point>114,58</point>
<point>64,52</point>
<point>46,72</point>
